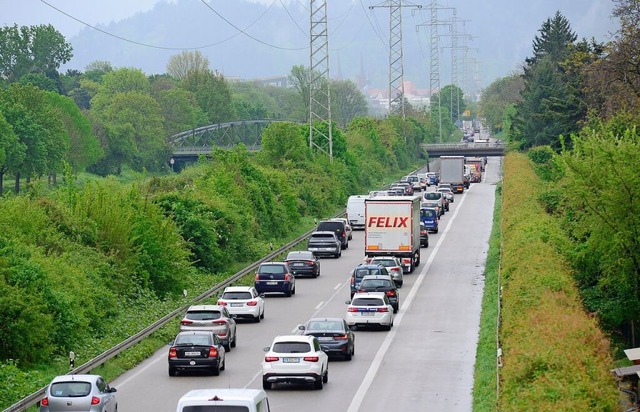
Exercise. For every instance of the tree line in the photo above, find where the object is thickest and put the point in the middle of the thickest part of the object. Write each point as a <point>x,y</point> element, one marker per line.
<point>575,108</point>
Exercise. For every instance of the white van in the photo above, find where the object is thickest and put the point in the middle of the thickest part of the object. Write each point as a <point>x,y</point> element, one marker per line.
<point>355,211</point>
<point>212,400</point>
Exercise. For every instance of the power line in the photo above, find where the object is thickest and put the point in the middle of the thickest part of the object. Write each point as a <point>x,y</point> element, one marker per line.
<point>366,13</point>
<point>247,34</point>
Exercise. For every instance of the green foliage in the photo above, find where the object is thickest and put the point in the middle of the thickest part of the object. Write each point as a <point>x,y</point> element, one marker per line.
<point>498,99</point>
<point>603,217</point>
<point>284,145</point>
<point>554,355</point>
<point>31,49</point>
<point>212,93</point>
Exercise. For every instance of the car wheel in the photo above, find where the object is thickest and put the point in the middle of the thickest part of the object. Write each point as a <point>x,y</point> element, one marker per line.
<point>386,327</point>
<point>287,293</point>
<point>435,232</point>
<point>349,355</point>
<point>235,339</point>
<point>325,378</point>
<point>216,371</point>
<point>319,384</point>
<point>346,246</point>
<point>224,364</point>
<point>266,385</point>
<point>172,371</point>
<point>262,316</point>
<point>256,319</point>
<point>293,292</point>
<point>227,347</point>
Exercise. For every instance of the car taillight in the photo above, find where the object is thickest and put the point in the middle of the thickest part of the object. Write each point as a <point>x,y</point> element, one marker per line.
<point>222,303</point>
<point>423,232</point>
<point>95,400</point>
<point>219,322</point>
<point>385,309</point>
<point>271,358</point>
<point>391,293</point>
<point>352,310</point>
<point>309,262</point>
<point>186,322</point>
<point>252,303</point>
<point>311,358</point>
<point>173,353</point>
<point>353,281</point>
<point>406,260</point>
<point>287,276</point>
<point>341,337</point>
<point>44,402</point>
<point>213,352</point>
<point>257,277</point>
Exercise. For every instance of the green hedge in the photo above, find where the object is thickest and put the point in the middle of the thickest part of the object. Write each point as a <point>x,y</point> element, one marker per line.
<point>555,358</point>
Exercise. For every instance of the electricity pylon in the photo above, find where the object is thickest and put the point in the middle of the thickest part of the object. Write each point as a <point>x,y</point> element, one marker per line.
<point>320,137</point>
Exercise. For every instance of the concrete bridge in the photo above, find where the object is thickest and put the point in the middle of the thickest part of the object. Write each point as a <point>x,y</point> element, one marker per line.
<point>464,149</point>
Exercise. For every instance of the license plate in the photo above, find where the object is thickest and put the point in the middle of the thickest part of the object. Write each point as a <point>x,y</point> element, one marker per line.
<point>192,353</point>
<point>324,338</point>
<point>236,305</point>
<point>298,264</point>
<point>272,283</point>
<point>368,313</point>
<point>290,360</point>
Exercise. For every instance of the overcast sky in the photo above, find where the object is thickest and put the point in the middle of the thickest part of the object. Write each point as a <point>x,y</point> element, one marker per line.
<point>505,27</point>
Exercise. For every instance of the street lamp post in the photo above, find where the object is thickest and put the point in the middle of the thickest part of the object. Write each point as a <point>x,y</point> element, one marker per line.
<point>172,161</point>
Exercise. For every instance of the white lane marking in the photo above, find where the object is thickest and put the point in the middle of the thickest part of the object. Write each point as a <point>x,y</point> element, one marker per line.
<point>295,330</point>
<point>356,402</point>
<point>338,286</point>
<point>139,372</point>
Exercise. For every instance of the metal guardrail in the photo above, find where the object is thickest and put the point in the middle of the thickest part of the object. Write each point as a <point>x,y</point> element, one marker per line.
<point>86,367</point>
<point>34,398</point>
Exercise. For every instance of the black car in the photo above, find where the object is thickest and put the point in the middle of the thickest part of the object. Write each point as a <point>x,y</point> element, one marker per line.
<point>363,270</point>
<point>381,283</point>
<point>334,335</point>
<point>303,263</point>
<point>197,350</point>
<point>336,226</point>
<point>424,235</point>
<point>275,277</point>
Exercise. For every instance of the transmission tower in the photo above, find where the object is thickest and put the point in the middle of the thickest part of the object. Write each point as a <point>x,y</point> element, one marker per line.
<point>320,126</point>
<point>396,70</point>
<point>434,62</point>
<point>455,47</point>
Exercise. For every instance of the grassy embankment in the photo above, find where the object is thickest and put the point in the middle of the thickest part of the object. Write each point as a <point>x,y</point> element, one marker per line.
<point>554,356</point>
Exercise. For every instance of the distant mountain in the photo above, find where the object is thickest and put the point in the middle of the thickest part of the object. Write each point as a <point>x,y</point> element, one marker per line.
<point>358,37</point>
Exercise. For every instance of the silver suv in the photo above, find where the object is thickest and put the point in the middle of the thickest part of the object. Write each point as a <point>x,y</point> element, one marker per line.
<point>214,318</point>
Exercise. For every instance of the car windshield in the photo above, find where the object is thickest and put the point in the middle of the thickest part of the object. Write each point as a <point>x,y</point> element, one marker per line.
<point>427,213</point>
<point>192,339</point>
<point>367,302</point>
<point>70,389</point>
<point>324,325</point>
<point>432,195</point>
<point>203,314</point>
<point>291,347</point>
<point>236,295</point>
<point>272,269</point>
<point>375,283</point>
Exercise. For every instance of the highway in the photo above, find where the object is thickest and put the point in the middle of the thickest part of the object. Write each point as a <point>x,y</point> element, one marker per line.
<point>424,363</point>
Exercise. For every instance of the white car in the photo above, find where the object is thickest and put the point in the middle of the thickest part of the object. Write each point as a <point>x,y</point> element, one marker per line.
<point>243,302</point>
<point>369,308</point>
<point>448,193</point>
<point>295,359</point>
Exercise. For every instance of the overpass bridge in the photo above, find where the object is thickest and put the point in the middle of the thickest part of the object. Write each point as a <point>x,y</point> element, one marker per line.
<point>464,149</point>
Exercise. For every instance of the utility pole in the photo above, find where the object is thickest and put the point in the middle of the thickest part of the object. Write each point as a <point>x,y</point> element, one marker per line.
<point>320,126</point>
<point>396,69</point>
<point>455,47</point>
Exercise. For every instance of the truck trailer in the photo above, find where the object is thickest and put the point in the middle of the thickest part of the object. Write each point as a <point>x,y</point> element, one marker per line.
<point>452,172</point>
<point>393,229</point>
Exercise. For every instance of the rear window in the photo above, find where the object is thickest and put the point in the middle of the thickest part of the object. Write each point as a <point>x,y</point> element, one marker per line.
<point>324,325</point>
<point>362,272</point>
<point>193,339</point>
<point>322,236</point>
<point>291,347</point>
<point>427,213</point>
<point>386,262</point>
<point>300,256</point>
<point>236,295</point>
<point>71,389</point>
<point>203,314</point>
<point>271,269</point>
<point>215,408</point>
<point>331,226</point>
<point>375,283</point>
<point>367,302</point>
<point>432,195</point>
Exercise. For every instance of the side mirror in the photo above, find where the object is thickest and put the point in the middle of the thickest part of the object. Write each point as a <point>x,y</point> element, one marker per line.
<point>262,295</point>
<point>111,390</point>
<point>348,302</point>
<point>301,327</point>
<point>233,316</point>
<point>325,349</point>
<point>266,349</point>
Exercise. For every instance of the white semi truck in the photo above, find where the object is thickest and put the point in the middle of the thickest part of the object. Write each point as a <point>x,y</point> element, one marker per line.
<point>393,229</point>
<point>452,172</point>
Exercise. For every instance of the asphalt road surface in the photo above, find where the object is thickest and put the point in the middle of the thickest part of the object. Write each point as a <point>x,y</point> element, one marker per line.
<point>425,363</point>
